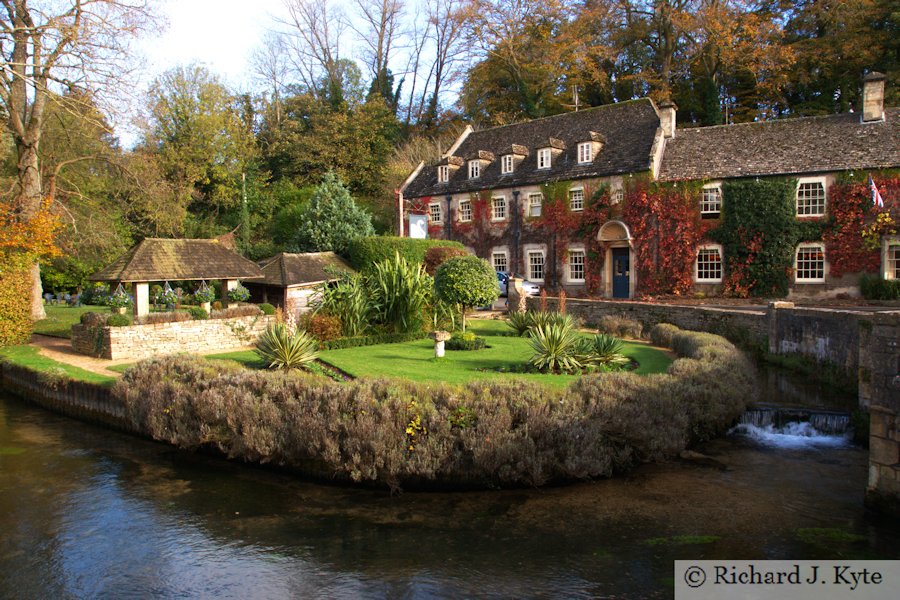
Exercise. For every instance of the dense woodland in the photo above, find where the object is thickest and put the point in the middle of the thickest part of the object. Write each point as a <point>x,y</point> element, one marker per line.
<point>210,160</point>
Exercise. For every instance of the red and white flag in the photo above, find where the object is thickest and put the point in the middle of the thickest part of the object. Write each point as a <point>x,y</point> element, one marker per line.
<point>877,200</point>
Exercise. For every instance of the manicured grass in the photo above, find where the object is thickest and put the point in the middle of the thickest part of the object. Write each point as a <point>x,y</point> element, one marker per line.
<point>60,319</point>
<point>29,356</point>
<point>415,360</point>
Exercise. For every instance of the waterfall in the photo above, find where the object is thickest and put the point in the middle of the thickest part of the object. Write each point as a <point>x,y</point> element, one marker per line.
<point>794,428</point>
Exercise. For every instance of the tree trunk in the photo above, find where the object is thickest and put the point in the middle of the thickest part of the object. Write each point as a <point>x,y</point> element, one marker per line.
<point>28,202</point>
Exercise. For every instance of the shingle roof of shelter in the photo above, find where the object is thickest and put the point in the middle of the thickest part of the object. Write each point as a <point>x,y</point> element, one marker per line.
<point>156,259</point>
<point>787,146</point>
<point>286,269</point>
<point>628,128</point>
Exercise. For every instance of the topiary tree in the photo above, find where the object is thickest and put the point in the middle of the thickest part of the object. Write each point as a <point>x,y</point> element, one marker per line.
<point>331,219</point>
<point>467,281</point>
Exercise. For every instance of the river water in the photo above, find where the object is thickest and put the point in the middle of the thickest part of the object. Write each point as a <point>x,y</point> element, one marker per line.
<point>89,513</point>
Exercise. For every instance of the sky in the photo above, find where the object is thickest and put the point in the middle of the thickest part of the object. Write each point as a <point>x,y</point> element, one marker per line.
<point>220,34</point>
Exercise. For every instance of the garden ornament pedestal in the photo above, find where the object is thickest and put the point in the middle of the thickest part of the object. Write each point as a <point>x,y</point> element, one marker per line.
<point>439,338</point>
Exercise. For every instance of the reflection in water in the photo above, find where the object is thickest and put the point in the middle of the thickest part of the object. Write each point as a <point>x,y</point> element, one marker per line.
<point>85,512</point>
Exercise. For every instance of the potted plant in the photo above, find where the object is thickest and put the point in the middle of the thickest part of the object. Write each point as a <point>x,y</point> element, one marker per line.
<point>239,293</point>
<point>167,296</point>
<point>205,295</point>
<point>119,300</point>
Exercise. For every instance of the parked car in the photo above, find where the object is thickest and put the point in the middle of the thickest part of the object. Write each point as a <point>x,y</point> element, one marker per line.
<point>531,288</point>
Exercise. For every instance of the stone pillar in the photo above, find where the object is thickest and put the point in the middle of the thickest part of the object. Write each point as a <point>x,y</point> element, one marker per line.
<point>141,299</point>
<point>879,386</point>
<point>774,307</point>
<point>227,286</point>
<point>439,338</point>
<point>515,295</point>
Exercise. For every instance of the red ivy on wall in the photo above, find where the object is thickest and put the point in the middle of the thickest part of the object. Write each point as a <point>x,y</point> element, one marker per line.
<point>667,229</point>
<point>851,210</point>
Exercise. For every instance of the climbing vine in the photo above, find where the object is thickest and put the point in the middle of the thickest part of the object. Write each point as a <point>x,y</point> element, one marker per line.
<point>856,224</point>
<point>666,225</point>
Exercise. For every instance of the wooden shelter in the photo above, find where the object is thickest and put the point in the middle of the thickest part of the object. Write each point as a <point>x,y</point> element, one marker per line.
<point>157,259</point>
<point>289,279</point>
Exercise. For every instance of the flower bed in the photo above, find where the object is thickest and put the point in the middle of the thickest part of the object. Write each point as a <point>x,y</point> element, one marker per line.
<point>395,433</point>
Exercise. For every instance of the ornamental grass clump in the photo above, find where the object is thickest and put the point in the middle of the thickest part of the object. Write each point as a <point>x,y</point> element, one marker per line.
<point>285,348</point>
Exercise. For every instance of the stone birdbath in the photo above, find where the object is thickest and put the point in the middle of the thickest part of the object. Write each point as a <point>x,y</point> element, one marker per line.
<point>439,338</point>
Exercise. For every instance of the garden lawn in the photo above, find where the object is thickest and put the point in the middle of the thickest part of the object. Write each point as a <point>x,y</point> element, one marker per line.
<point>30,357</point>
<point>415,360</point>
<point>60,319</point>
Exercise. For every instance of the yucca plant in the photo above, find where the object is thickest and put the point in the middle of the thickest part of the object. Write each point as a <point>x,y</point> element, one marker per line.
<point>520,322</point>
<point>555,346</point>
<point>283,348</point>
<point>602,349</point>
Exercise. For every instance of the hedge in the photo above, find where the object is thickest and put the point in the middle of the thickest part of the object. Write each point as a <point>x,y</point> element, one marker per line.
<point>873,287</point>
<point>393,433</point>
<point>371,340</point>
<point>363,253</point>
<point>15,304</point>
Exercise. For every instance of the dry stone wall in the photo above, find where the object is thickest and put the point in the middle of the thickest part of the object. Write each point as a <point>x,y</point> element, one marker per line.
<point>144,341</point>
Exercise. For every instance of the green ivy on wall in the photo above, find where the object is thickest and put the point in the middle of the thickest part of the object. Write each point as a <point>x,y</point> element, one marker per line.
<point>759,234</point>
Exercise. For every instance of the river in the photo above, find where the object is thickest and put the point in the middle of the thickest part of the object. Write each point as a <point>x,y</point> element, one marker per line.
<point>89,513</point>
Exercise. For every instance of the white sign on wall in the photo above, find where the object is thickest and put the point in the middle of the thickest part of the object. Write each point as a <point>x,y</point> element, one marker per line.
<point>418,226</point>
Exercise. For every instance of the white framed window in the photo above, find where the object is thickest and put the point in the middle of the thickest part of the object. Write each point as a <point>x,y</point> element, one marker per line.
<point>443,174</point>
<point>474,169</point>
<point>498,208</point>
<point>711,201</point>
<point>809,263</point>
<point>708,266</point>
<point>535,201</point>
<point>585,152</point>
<point>617,195</point>
<point>465,211</point>
<point>576,199</point>
<point>536,265</point>
<point>500,261</point>
<point>507,164</point>
<point>434,211</point>
<point>892,268</point>
<point>544,158</point>
<point>576,266</point>
<point>811,197</point>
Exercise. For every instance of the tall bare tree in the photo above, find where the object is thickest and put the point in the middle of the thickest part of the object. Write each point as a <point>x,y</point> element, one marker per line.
<point>49,47</point>
<point>314,30</point>
<point>381,21</point>
<point>271,68</point>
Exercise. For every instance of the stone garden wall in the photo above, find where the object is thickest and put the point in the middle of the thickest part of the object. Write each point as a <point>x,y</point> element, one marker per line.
<point>145,341</point>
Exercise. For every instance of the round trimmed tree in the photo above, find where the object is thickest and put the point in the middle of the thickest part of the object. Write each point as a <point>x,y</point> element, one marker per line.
<point>467,281</point>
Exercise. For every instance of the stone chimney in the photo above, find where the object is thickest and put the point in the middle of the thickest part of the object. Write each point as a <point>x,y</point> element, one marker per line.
<point>667,110</point>
<point>873,97</point>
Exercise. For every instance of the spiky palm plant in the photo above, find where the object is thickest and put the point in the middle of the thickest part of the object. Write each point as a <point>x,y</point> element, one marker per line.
<point>520,322</point>
<point>602,349</point>
<point>555,346</point>
<point>283,348</point>
<point>400,292</point>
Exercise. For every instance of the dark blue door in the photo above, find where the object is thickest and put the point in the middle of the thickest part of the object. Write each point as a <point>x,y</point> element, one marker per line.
<point>621,272</point>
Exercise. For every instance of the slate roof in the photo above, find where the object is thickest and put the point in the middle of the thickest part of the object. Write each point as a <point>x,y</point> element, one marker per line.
<point>156,259</point>
<point>284,269</point>
<point>788,146</point>
<point>628,128</point>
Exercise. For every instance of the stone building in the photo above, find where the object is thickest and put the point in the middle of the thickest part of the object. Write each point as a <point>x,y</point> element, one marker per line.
<point>491,189</point>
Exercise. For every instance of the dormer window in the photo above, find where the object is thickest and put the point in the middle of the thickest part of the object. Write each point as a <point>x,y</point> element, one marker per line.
<point>443,174</point>
<point>585,152</point>
<point>474,169</point>
<point>507,164</point>
<point>544,158</point>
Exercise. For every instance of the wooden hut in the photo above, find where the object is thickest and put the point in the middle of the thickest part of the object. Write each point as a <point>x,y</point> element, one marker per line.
<point>289,279</point>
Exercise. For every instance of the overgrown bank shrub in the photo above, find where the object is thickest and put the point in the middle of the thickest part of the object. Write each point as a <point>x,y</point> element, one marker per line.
<point>483,434</point>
